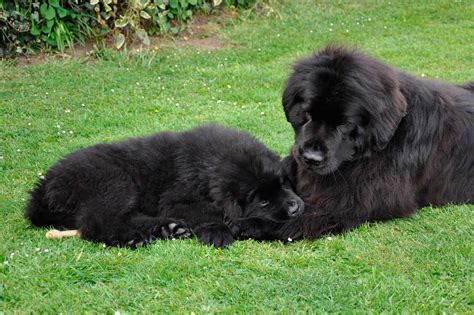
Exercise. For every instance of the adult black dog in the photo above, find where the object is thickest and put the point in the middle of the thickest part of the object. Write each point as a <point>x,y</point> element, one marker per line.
<point>373,143</point>
<point>130,192</point>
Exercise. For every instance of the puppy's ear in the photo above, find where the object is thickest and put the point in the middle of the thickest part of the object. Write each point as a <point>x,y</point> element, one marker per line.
<point>232,209</point>
<point>387,109</point>
<point>225,196</point>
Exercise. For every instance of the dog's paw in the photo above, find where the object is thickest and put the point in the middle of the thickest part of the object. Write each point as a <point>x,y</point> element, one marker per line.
<point>216,234</point>
<point>175,229</point>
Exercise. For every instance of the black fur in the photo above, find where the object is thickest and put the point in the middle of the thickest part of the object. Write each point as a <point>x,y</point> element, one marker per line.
<point>373,143</point>
<point>127,193</point>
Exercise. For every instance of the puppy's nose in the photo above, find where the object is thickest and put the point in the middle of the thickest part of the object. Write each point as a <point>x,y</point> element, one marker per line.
<point>294,208</point>
<point>313,156</point>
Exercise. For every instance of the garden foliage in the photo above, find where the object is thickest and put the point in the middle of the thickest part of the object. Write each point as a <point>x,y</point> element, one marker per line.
<point>29,25</point>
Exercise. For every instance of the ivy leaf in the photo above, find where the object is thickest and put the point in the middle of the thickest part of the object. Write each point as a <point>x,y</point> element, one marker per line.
<point>121,23</point>
<point>61,12</point>
<point>46,29</point>
<point>107,7</point>
<point>54,3</point>
<point>119,40</point>
<point>94,2</point>
<point>145,15</point>
<point>52,40</point>
<point>34,30</point>
<point>35,16</point>
<point>143,3</point>
<point>174,4</point>
<point>47,11</point>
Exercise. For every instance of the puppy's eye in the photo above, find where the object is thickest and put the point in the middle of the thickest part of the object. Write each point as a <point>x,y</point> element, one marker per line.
<point>347,127</point>
<point>264,203</point>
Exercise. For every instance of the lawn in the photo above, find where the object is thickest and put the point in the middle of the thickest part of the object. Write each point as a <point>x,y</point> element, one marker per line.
<point>423,264</point>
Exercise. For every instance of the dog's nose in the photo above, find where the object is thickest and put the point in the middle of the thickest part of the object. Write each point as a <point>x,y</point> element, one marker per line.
<point>315,157</point>
<point>294,208</point>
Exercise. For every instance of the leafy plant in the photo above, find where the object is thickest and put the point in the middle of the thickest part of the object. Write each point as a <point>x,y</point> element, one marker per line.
<point>14,28</point>
<point>139,18</point>
<point>60,25</point>
<point>27,25</point>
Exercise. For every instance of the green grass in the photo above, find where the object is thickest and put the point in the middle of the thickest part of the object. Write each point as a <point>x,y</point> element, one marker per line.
<point>423,264</point>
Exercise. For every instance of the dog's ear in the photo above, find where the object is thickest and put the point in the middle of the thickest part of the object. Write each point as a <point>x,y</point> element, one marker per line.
<point>232,209</point>
<point>296,91</point>
<point>292,97</point>
<point>225,192</point>
<point>387,107</point>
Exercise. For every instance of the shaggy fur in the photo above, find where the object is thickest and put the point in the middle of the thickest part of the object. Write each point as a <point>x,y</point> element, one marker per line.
<point>373,143</point>
<point>208,179</point>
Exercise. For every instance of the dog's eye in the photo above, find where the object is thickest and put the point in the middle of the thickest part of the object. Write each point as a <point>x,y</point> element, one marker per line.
<point>264,203</point>
<point>347,127</point>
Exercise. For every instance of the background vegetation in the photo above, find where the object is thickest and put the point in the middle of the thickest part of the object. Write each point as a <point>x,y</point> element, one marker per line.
<point>29,25</point>
<point>423,264</point>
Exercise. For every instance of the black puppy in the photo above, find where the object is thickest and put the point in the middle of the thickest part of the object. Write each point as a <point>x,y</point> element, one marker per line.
<point>128,193</point>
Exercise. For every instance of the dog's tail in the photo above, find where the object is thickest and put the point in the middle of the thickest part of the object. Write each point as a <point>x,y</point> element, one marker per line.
<point>42,214</point>
<point>468,86</point>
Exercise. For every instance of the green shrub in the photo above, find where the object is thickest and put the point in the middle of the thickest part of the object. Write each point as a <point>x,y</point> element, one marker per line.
<point>29,25</point>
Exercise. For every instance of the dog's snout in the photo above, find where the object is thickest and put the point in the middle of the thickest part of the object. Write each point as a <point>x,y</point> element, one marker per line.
<point>315,157</point>
<point>294,208</point>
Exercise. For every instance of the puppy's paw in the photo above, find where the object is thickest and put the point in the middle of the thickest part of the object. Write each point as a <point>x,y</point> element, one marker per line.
<point>216,234</point>
<point>174,229</point>
<point>133,244</point>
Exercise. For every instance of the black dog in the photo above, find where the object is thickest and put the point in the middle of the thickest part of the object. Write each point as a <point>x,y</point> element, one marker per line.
<point>373,143</point>
<point>128,193</point>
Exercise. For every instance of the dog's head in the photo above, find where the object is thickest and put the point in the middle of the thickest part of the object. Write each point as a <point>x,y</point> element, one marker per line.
<point>272,198</point>
<point>256,186</point>
<point>342,105</point>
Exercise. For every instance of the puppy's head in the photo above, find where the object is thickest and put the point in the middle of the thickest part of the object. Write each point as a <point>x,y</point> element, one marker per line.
<point>259,188</point>
<point>342,105</point>
<point>272,198</point>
